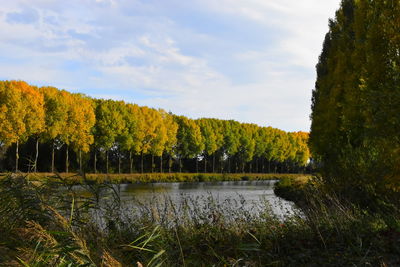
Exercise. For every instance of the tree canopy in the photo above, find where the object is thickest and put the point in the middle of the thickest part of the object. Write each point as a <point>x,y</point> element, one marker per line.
<point>63,121</point>
<point>356,102</point>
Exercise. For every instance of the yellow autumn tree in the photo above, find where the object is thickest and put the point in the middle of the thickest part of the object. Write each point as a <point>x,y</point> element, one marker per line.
<point>34,115</point>
<point>133,135</point>
<point>11,116</point>
<point>82,118</point>
<point>172,128</point>
<point>154,134</point>
<point>78,128</point>
<point>22,114</point>
<point>56,116</point>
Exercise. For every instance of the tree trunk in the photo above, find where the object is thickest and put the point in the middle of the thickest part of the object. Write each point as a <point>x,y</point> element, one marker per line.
<point>130,162</point>
<point>222,165</point>
<point>229,164</point>
<point>80,160</point>
<point>52,159</point>
<point>95,161</point>
<point>236,166</point>
<point>257,165</point>
<point>213,167</point>
<point>180,164</point>
<point>161,165</point>
<point>66,160</point>
<point>205,164</point>
<point>250,167</point>
<point>169,163</point>
<point>197,165</point>
<point>263,165</point>
<point>119,163</point>
<point>36,156</point>
<point>152,163</point>
<point>107,161</point>
<point>142,163</point>
<point>16,156</point>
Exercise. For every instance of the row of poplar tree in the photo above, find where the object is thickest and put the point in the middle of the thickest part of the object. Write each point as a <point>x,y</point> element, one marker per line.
<point>355,132</point>
<point>114,136</point>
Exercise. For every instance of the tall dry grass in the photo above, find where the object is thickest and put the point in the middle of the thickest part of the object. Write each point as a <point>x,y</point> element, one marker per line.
<point>50,224</point>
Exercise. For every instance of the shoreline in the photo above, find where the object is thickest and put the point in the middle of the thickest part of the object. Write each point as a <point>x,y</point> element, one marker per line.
<point>76,178</point>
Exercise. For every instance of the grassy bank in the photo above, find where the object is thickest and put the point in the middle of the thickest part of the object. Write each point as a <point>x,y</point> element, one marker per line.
<point>328,233</point>
<point>155,177</point>
<point>293,188</point>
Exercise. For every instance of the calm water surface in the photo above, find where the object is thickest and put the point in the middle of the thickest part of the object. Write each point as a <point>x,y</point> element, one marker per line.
<point>249,195</point>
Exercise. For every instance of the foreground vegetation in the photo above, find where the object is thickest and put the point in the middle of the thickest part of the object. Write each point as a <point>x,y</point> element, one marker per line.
<point>154,177</point>
<point>41,227</point>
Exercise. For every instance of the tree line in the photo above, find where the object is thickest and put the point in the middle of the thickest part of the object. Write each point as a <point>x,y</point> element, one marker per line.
<point>55,130</point>
<point>356,102</point>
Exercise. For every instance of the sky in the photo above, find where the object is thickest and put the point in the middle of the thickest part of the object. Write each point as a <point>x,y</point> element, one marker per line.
<point>251,60</point>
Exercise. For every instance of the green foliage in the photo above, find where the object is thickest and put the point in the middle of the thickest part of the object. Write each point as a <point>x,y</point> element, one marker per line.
<point>110,122</point>
<point>209,135</point>
<point>247,141</point>
<point>189,139</point>
<point>130,137</point>
<point>355,105</point>
<point>231,137</point>
<point>56,112</point>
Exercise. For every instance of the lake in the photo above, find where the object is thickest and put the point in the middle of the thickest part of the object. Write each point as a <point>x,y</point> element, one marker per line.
<point>251,197</point>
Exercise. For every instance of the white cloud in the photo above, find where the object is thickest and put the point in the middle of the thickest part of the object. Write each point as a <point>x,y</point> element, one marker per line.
<point>147,52</point>
<point>303,23</point>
